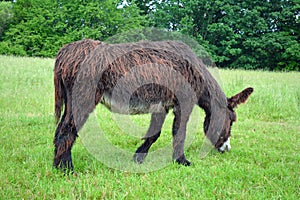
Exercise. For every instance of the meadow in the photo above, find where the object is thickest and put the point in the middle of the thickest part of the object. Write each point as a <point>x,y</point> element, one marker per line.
<point>263,163</point>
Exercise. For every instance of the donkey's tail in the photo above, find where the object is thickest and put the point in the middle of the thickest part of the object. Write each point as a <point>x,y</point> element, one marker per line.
<point>58,96</point>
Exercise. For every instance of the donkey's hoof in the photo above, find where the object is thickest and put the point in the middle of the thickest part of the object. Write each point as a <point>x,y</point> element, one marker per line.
<point>64,164</point>
<point>139,157</point>
<point>65,167</point>
<point>183,161</point>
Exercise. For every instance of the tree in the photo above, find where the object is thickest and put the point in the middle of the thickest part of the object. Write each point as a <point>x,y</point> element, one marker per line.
<point>251,34</point>
<point>41,27</point>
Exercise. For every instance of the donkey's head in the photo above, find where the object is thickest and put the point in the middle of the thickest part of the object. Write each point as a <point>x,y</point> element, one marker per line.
<point>223,142</point>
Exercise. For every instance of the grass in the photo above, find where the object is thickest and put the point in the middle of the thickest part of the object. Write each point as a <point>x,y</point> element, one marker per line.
<point>263,163</point>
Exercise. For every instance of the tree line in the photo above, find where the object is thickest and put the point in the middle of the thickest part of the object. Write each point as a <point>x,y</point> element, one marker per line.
<point>249,34</point>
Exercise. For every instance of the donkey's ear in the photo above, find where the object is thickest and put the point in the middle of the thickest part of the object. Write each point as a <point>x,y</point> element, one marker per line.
<point>240,97</point>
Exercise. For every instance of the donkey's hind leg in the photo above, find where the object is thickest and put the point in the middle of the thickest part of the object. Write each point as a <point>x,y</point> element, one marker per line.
<point>66,134</point>
<point>153,133</point>
<point>64,139</point>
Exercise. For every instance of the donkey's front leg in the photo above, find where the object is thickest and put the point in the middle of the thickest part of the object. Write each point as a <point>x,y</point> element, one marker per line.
<point>179,134</point>
<point>153,133</point>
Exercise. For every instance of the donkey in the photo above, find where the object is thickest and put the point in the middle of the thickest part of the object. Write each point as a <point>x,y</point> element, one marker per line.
<point>136,78</point>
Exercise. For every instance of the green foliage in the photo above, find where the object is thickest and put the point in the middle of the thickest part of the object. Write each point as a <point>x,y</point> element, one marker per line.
<point>249,34</point>
<point>42,27</point>
<point>6,16</point>
<point>8,48</point>
<point>262,164</point>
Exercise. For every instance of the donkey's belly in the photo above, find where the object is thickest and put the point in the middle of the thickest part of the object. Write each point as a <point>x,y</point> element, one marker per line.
<point>134,106</point>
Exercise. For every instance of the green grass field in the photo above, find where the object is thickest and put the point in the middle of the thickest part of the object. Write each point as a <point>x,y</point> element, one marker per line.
<point>264,162</point>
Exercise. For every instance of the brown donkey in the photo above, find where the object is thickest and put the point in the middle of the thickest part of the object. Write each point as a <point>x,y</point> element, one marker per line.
<point>135,78</point>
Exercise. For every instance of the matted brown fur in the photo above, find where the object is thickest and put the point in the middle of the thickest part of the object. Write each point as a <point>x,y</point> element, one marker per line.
<point>157,76</point>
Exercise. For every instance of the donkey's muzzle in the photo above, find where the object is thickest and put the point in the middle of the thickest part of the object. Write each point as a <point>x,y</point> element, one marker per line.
<point>225,146</point>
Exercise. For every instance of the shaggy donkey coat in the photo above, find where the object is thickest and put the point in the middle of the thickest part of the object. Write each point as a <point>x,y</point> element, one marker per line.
<point>143,77</point>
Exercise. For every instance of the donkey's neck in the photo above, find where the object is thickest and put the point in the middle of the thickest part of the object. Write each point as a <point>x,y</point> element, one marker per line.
<point>204,101</point>
<point>212,97</point>
<point>214,102</point>
<point>210,101</point>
